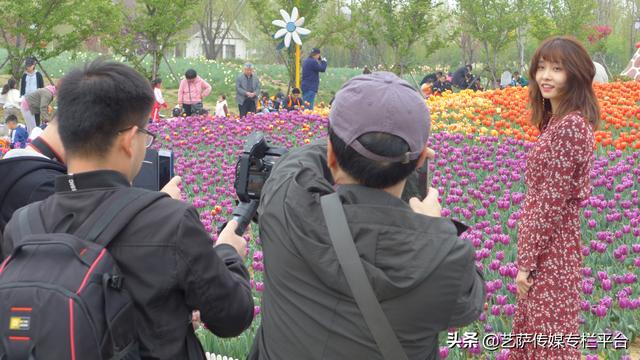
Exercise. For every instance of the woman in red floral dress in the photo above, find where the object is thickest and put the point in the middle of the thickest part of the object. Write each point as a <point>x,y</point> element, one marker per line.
<point>565,109</point>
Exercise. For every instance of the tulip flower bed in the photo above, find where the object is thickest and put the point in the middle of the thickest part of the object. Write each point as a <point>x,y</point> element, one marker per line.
<point>481,180</point>
<point>504,112</point>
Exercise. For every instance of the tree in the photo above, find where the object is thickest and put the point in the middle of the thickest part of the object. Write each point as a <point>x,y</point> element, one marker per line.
<point>400,24</point>
<point>47,28</point>
<point>218,18</point>
<point>493,24</point>
<point>564,17</point>
<point>151,27</point>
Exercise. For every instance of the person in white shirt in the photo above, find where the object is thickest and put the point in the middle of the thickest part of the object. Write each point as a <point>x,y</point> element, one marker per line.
<point>10,98</point>
<point>222,110</point>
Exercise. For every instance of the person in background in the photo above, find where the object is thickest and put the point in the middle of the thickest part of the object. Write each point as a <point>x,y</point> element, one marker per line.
<point>35,106</point>
<point>441,84</point>
<point>366,70</point>
<point>312,66</point>
<point>429,78</point>
<point>31,173</point>
<point>222,109</point>
<point>10,99</point>
<point>159,103</point>
<point>18,135</point>
<point>278,101</point>
<point>265,105</point>
<point>293,101</point>
<point>247,90</point>
<point>192,91</point>
<point>460,76</point>
<point>519,80</point>
<point>558,170</point>
<point>32,80</point>
<point>426,90</point>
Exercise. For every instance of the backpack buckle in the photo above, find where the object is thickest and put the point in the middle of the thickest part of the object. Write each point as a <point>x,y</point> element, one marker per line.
<point>115,281</point>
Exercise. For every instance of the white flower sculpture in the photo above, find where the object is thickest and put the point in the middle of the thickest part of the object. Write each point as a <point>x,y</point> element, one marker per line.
<point>291,27</point>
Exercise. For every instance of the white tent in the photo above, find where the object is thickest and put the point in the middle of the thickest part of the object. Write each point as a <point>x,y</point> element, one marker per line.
<point>601,74</point>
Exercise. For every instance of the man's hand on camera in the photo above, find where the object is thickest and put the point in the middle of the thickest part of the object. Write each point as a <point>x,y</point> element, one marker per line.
<point>172,188</point>
<point>430,206</point>
<point>228,236</point>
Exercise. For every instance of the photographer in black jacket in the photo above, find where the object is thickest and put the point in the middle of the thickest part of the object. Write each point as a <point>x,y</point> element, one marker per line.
<point>168,263</point>
<point>423,275</point>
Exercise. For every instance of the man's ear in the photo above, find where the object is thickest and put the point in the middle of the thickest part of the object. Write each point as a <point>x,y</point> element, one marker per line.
<point>126,140</point>
<point>332,161</point>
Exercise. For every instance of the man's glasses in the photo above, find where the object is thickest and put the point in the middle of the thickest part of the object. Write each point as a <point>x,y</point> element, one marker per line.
<point>149,136</point>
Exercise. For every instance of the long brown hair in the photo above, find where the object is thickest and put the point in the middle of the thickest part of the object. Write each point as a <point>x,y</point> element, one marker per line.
<point>580,72</point>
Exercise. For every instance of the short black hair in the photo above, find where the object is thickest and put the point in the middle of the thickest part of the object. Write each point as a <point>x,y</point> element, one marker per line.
<point>98,101</point>
<point>224,97</point>
<point>156,81</point>
<point>374,174</point>
<point>439,73</point>
<point>190,74</point>
<point>11,118</point>
<point>295,91</point>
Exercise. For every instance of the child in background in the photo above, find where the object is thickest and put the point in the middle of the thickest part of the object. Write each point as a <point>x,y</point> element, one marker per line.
<point>265,105</point>
<point>294,102</point>
<point>222,110</point>
<point>278,100</point>
<point>156,84</point>
<point>18,134</point>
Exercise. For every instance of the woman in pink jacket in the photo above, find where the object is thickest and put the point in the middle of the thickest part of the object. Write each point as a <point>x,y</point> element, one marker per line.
<point>192,91</point>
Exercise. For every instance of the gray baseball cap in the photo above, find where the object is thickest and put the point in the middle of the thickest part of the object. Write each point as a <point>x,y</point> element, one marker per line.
<point>380,102</point>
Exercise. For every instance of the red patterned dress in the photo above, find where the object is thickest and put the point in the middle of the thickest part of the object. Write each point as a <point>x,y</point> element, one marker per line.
<point>557,177</point>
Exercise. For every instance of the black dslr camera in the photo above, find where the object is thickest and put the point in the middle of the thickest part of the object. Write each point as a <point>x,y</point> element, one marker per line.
<point>252,171</point>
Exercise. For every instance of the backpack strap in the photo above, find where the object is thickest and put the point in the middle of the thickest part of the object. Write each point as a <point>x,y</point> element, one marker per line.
<point>361,289</point>
<point>29,220</point>
<point>112,217</point>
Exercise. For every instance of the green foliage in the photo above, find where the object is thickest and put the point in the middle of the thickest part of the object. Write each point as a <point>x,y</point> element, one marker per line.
<point>151,28</point>
<point>563,17</point>
<point>400,25</point>
<point>47,28</point>
<point>492,22</point>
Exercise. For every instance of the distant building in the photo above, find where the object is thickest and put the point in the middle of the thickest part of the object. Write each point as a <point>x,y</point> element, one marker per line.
<point>234,45</point>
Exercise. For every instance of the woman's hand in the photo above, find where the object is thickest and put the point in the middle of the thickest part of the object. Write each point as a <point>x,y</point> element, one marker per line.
<point>524,283</point>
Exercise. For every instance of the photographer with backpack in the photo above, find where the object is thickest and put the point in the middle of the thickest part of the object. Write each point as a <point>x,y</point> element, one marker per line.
<point>101,270</point>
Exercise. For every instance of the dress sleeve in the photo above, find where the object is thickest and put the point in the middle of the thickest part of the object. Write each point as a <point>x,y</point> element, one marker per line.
<point>570,147</point>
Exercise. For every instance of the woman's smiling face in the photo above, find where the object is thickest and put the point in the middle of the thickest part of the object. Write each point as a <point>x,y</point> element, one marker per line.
<point>552,79</point>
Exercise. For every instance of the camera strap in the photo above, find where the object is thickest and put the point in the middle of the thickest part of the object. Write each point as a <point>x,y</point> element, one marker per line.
<point>365,298</point>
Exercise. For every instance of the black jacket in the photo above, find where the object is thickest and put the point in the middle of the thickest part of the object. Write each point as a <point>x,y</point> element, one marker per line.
<point>459,77</point>
<point>424,276</point>
<point>23,82</point>
<point>24,180</point>
<point>169,265</point>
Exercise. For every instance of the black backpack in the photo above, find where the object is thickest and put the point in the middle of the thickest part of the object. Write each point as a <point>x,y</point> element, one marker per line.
<point>62,294</point>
